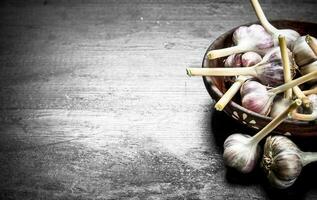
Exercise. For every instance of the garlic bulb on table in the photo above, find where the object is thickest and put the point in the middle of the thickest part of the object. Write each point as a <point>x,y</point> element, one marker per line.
<point>246,60</point>
<point>290,35</point>
<point>252,38</point>
<point>269,71</point>
<point>283,161</point>
<point>256,97</point>
<point>242,151</point>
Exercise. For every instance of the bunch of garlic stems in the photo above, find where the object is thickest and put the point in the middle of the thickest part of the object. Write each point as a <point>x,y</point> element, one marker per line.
<point>257,98</point>
<point>246,60</point>
<point>287,74</point>
<point>269,71</point>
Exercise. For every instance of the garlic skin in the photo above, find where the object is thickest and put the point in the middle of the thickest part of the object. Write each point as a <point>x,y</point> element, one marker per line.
<point>240,153</point>
<point>255,97</point>
<point>255,37</point>
<point>233,60</point>
<point>282,161</point>
<point>308,69</point>
<point>279,106</point>
<point>291,37</point>
<point>271,71</point>
<point>303,54</point>
<point>250,58</point>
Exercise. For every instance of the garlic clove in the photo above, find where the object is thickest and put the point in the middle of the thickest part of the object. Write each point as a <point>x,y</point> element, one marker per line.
<point>240,153</point>
<point>303,54</point>
<point>281,161</point>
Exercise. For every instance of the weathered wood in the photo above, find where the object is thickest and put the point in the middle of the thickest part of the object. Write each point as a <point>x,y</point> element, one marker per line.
<point>95,102</point>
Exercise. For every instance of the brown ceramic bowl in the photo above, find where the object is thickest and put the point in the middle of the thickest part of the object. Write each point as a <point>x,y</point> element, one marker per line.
<point>216,86</point>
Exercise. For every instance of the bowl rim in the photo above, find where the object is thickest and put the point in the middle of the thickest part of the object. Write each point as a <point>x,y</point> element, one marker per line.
<point>235,105</point>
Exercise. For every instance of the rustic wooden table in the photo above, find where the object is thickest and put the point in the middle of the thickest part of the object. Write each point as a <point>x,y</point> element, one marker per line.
<point>95,102</point>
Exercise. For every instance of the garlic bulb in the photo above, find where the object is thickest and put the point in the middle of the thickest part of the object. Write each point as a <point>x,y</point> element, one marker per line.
<point>269,71</point>
<point>303,54</point>
<point>256,98</point>
<point>246,60</point>
<point>242,151</point>
<point>252,38</point>
<point>290,35</point>
<point>283,161</point>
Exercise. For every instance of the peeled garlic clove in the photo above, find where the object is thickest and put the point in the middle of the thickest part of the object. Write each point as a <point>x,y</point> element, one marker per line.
<point>250,58</point>
<point>281,161</point>
<point>303,54</point>
<point>255,97</point>
<point>240,153</point>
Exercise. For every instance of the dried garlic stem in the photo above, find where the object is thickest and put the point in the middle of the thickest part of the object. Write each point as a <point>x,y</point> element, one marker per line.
<point>294,83</point>
<point>304,117</point>
<point>261,16</point>
<point>218,53</point>
<point>300,94</point>
<point>310,91</point>
<point>234,71</point>
<point>308,157</point>
<point>286,65</point>
<point>224,100</point>
<point>276,121</point>
<point>312,43</point>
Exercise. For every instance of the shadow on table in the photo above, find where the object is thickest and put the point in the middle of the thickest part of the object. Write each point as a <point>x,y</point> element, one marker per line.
<point>222,126</point>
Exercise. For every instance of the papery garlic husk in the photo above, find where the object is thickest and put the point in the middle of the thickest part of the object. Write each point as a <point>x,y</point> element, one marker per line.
<point>272,72</point>
<point>252,38</point>
<point>278,106</point>
<point>233,60</point>
<point>303,54</point>
<point>255,36</point>
<point>308,69</point>
<point>240,153</point>
<point>281,161</point>
<point>254,97</point>
<point>250,58</point>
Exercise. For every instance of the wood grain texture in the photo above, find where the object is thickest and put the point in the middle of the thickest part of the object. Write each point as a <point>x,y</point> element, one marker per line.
<point>95,102</point>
